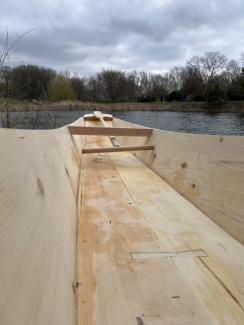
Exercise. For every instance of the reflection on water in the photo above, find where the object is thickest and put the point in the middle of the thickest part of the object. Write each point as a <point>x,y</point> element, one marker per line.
<point>221,123</point>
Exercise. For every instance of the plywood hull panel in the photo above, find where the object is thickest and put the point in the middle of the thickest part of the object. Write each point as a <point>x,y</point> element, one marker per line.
<point>128,209</point>
<point>102,239</point>
<point>38,189</point>
<point>207,169</point>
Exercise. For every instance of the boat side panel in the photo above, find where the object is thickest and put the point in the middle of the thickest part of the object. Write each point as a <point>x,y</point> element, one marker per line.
<point>38,189</point>
<point>190,270</point>
<point>207,169</point>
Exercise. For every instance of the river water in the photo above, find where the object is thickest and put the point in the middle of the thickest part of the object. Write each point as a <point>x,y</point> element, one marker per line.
<point>219,123</point>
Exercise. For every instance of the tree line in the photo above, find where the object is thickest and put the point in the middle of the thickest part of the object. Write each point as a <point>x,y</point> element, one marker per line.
<point>210,77</point>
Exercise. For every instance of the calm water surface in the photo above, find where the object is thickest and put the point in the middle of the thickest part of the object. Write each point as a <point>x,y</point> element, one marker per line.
<point>220,123</point>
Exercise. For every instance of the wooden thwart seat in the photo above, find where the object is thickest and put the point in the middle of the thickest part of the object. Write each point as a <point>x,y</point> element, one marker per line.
<point>108,131</point>
<point>111,132</point>
<point>117,149</point>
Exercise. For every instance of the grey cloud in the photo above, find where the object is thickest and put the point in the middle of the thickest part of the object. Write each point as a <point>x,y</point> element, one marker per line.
<point>84,36</point>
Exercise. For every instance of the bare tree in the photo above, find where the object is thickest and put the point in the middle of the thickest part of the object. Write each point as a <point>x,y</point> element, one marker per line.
<point>176,75</point>
<point>192,84</point>
<point>211,65</point>
<point>113,84</point>
<point>242,60</point>
<point>233,70</point>
<point>78,85</point>
<point>5,53</point>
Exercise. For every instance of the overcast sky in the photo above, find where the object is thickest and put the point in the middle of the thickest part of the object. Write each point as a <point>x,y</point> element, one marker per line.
<point>85,36</point>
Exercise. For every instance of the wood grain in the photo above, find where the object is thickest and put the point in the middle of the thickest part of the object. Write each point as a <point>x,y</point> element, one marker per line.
<point>70,223</point>
<point>116,149</point>
<point>38,190</point>
<point>135,132</point>
<point>207,169</point>
<point>127,208</point>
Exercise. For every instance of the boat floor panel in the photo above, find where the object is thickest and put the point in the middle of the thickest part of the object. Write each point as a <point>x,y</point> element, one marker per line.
<point>189,270</point>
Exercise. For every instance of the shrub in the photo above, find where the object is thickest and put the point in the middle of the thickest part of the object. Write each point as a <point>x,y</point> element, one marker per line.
<point>236,91</point>
<point>146,99</point>
<point>60,88</point>
<point>215,94</point>
<point>30,82</point>
<point>78,86</point>
<point>175,95</point>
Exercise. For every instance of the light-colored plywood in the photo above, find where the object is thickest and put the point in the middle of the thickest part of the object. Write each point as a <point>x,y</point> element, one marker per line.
<point>127,208</point>
<point>102,239</point>
<point>99,116</point>
<point>107,131</point>
<point>181,226</point>
<point>39,173</point>
<point>116,149</point>
<point>92,117</point>
<point>207,169</point>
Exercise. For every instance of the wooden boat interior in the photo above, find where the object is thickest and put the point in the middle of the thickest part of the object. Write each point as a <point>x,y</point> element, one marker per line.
<point>106,222</point>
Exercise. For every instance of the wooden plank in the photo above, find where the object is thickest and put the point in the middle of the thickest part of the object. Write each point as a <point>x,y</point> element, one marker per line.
<point>113,288</point>
<point>38,251</point>
<point>91,117</point>
<point>117,149</point>
<point>207,169</point>
<point>108,131</point>
<point>181,226</point>
<point>99,115</point>
<point>130,209</point>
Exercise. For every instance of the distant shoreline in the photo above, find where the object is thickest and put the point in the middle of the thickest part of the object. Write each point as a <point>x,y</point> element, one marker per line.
<point>232,107</point>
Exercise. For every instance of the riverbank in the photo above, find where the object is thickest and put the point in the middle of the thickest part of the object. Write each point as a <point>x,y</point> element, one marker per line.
<point>23,106</point>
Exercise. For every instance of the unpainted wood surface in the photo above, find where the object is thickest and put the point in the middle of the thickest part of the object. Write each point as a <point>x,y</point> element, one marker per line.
<point>106,131</point>
<point>39,173</point>
<point>123,208</point>
<point>117,149</point>
<point>207,169</point>
<point>92,117</point>
<point>127,208</point>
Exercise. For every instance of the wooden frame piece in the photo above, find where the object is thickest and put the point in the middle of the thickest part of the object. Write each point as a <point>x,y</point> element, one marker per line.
<point>110,131</point>
<point>92,117</point>
<point>117,149</point>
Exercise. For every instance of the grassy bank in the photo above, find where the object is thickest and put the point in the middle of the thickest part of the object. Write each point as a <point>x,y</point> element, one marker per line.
<point>24,106</point>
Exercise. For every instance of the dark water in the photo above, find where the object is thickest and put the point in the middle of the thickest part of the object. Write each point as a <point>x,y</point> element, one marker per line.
<point>220,123</point>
